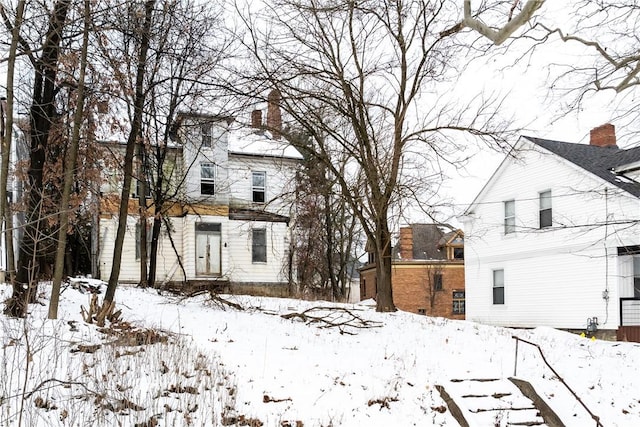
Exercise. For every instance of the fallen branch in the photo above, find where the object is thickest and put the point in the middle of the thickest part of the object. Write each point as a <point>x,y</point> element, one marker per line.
<point>333,317</point>
<point>221,302</point>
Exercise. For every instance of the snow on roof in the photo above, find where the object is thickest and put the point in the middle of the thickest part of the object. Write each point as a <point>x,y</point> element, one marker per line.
<point>256,142</point>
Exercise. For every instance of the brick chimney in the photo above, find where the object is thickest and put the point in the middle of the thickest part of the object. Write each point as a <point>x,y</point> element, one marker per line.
<point>256,119</point>
<point>274,118</point>
<point>604,136</point>
<point>406,243</point>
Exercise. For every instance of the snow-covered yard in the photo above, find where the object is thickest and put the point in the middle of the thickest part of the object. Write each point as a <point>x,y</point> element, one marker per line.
<point>223,366</point>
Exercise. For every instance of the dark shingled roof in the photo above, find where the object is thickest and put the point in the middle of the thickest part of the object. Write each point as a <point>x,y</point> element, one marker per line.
<point>600,161</point>
<point>427,239</point>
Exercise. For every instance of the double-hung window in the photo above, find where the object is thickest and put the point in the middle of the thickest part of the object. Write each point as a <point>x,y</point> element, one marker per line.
<point>259,245</point>
<point>498,287</point>
<point>207,178</point>
<point>206,130</point>
<point>509,216</point>
<point>258,186</point>
<point>545,209</point>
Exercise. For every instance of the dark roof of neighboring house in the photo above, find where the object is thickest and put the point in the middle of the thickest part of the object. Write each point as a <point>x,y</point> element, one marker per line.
<point>427,240</point>
<point>600,161</point>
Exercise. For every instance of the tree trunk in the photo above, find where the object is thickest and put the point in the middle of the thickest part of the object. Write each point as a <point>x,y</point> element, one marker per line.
<point>384,291</point>
<point>155,235</point>
<point>42,112</point>
<point>6,213</point>
<point>70,167</point>
<point>136,124</point>
<point>142,209</point>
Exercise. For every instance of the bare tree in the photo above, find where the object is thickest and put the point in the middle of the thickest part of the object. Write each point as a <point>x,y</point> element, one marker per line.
<point>70,165</point>
<point>6,215</point>
<point>144,17</point>
<point>604,32</point>
<point>327,233</point>
<point>359,78</point>
<point>190,46</point>
<point>41,115</point>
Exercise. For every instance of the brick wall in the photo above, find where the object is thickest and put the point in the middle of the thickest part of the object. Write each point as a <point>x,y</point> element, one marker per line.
<point>411,284</point>
<point>368,283</point>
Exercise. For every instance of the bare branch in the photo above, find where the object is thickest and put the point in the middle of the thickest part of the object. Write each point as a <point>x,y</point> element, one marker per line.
<point>501,35</point>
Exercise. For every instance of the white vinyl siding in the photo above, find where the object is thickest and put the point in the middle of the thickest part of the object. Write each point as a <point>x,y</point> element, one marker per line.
<point>547,272</point>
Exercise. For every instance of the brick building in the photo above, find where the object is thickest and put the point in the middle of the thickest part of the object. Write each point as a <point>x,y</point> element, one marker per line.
<point>427,271</point>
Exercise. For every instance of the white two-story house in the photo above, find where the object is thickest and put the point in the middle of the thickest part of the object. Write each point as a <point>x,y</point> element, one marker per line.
<point>553,237</point>
<point>230,222</point>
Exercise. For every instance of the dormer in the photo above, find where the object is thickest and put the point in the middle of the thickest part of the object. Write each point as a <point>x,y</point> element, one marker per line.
<point>452,244</point>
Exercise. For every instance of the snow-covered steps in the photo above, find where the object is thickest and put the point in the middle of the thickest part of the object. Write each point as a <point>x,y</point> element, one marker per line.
<point>496,402</point>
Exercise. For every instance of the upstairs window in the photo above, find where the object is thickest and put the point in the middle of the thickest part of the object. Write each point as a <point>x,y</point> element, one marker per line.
<point>258,186</point>
<point>509,216</point>
<point>207,178</point>
<point>437,281</point>
<point>206,130</point>
<point>147,189</point>
<point>498,287</point>
<point>545,209</point>
<point>259,245</point>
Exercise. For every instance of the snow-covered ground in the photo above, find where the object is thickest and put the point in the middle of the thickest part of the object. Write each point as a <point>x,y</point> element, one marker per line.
<point>224,366</point>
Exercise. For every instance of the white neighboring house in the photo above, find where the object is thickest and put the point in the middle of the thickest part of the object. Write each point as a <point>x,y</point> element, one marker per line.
<point>553,237</point>
<point>232,219</point>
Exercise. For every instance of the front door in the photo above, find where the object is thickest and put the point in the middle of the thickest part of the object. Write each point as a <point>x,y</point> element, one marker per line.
<point>208,249</point>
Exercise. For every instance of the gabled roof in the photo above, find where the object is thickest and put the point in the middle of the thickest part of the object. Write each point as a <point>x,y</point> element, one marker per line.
<point>600,161</point>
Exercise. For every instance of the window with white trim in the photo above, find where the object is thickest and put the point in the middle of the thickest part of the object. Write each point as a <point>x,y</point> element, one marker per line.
<point>509,216</point>
<point>258,186</point>
<point>259,245</point>
<point>545,209</point>
<point>206,130</point>
<point>498,287</point>
<point>207,178</point>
